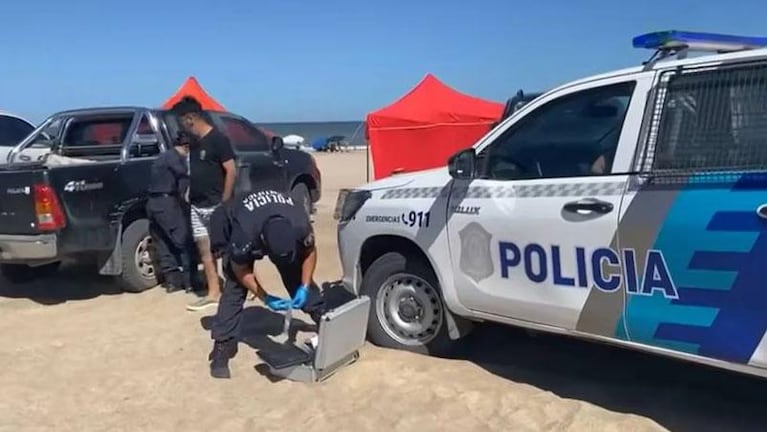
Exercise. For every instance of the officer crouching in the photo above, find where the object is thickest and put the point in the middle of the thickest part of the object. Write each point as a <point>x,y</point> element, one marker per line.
<point>168,215</point>
<point>248,228</point>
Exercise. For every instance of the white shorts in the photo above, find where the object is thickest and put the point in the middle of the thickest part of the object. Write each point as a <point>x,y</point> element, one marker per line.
<point>201,221</point>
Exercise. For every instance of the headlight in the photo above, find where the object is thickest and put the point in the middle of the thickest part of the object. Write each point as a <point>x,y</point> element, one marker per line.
<point>349,202</point>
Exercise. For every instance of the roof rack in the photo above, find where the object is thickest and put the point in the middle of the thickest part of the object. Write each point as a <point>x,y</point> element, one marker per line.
<point>680,43</point>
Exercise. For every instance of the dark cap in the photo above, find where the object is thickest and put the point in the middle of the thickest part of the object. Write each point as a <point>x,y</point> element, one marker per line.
<point>187,105</point>
<point>279,241</point>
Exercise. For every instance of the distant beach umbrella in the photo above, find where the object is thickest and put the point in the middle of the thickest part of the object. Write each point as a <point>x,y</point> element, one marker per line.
<point>320,143</point>
<point>293,140</point>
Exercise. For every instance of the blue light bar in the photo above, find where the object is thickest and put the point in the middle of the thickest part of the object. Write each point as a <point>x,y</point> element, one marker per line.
<point>698,41</point>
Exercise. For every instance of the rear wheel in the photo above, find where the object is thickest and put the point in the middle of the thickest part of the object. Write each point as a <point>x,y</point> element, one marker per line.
<point>300,194</point>
<point>407,311</point>
<point>22,273</point>
<point>138,272</point>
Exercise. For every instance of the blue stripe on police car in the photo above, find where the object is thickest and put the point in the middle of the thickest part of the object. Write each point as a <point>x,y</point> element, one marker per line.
<point>539,266</point>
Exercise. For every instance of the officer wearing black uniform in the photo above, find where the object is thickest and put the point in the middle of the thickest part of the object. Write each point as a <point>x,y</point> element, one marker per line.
<point>169,215</point>
<point>248,228</point>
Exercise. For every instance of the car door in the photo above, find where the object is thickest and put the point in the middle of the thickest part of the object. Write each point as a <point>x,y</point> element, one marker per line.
<point>257,164</point>
<point>533,237</point>
<point>144,145</point>
<point>697,207</point>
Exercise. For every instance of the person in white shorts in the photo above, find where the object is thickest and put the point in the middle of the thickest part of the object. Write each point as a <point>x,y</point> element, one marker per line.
<point>211,182</point>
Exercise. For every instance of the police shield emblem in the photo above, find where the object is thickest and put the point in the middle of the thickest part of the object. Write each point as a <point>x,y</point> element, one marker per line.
<point>475,260</point>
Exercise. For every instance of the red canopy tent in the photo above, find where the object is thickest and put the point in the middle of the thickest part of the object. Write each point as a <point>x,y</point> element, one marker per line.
<point>425,126</point>
<point>192,87</point>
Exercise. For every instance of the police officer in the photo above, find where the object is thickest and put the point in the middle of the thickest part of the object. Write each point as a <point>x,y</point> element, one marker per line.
<point>248,228</point>
<point>168,215</point>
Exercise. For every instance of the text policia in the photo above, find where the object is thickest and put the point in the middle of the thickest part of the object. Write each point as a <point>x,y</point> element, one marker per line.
<point>539,265</point>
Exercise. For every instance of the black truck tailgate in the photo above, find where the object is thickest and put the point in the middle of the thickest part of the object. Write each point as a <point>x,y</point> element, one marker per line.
<point>17,198</point>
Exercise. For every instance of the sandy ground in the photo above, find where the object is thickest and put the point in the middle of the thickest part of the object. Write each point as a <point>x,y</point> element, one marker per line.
<point>79,356</point>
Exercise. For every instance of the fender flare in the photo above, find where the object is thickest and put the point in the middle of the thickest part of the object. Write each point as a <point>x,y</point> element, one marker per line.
<point>112,266</point>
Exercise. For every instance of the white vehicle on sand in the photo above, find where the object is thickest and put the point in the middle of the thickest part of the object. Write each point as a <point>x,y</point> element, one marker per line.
<point>13,129</point>
<point>628,208</point>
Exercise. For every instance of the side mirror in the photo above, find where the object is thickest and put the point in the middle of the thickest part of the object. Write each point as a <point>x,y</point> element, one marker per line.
<point>277,143</point>
<point>144,146</point>
<point>463,165</point>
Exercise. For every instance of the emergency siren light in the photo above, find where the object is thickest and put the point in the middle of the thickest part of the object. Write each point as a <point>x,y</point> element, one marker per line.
<point>676,40</point>
<point>679,43</point>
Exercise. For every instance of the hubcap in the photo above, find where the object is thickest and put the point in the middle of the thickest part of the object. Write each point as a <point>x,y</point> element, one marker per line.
<point>143,258</point>
<point>409,309</point>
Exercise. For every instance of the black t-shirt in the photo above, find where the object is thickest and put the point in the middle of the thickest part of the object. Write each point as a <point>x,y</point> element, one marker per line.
<point>236,227</point>
<point>206,173</point>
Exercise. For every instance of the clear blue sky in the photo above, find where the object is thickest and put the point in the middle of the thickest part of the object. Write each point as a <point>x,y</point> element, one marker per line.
<point>306,60</point>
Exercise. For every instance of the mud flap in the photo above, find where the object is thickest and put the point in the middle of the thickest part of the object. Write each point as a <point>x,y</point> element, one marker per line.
<point>113,264</point>
<point>457,327</point>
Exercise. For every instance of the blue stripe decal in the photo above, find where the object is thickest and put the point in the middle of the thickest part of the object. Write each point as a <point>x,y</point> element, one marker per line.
<point>716,250</point>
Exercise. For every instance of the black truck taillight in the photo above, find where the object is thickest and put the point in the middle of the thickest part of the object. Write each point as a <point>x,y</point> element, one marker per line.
<point>50,216</point>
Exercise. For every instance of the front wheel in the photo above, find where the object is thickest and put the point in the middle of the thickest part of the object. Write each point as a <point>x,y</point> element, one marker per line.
<point>407,311</point>
<point>138,273</point>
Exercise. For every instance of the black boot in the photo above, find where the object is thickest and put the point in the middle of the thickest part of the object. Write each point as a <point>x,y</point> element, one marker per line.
<point>219,358</point>
<point>173,281</point>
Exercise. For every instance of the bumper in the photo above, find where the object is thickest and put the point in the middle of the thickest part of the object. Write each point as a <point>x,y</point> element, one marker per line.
<point>26,248</point>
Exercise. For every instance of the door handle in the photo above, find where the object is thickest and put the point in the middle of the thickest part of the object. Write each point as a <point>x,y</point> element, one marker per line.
<point>761,211</point>
<point>593,205</point>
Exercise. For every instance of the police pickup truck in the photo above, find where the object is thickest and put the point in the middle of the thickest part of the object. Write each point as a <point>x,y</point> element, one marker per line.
<point>76,187</point>
<point>627,208</point>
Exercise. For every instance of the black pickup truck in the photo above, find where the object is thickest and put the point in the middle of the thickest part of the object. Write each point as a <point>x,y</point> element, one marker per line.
<point>75,188</point>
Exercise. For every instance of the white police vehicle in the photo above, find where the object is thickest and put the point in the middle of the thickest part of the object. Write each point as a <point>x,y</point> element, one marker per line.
<point>627,208</point>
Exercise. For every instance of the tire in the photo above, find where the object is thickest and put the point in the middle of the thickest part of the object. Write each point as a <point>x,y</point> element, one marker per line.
<point>137,266</point>
<point>300,194</point>
<point>22,273</point>
<point>407,311</point>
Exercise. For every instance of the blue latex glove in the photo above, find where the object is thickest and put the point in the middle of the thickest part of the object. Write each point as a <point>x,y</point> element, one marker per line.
<point>276,303</point>
<point>299,300</point>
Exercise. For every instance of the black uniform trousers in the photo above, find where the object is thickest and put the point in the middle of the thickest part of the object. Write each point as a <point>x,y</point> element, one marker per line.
<point>170,230</point>
<point>233,296</point>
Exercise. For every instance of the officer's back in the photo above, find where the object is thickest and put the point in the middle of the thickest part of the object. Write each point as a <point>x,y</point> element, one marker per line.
<point>252,209</point>
<point>169,175</point>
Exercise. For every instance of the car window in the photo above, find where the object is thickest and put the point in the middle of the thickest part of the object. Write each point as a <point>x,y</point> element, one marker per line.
<point>13,130</point>
<point>97,131</point>
<point>244,136</point>
<point>563,138</point>
<point>711,119</point>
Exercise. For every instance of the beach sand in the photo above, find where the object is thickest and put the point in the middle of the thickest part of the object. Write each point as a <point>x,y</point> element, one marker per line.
<point>78,355</point>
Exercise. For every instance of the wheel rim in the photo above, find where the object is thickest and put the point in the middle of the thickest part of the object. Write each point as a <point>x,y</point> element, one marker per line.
<point>409,309</point>
<point>143,258</point>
